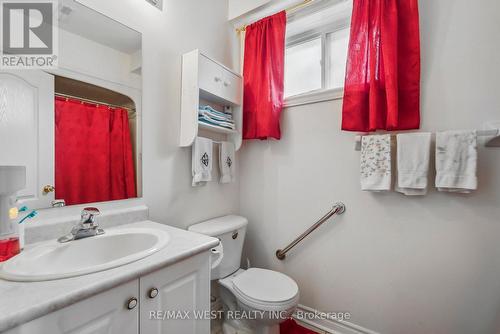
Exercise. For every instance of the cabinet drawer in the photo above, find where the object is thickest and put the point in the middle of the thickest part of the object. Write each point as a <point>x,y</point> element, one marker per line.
<point>231,87</point>
<point>210,76</point>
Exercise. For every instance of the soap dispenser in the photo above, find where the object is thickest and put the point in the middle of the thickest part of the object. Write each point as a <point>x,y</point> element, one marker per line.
<point>12,179</point>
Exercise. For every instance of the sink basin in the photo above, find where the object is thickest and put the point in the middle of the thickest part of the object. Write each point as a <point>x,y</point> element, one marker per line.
<point>53,260</point>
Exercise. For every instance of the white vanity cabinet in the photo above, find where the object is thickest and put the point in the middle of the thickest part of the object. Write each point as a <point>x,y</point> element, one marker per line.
<point>180,290</point>
<point>106,312</point>
<point>137,306</point>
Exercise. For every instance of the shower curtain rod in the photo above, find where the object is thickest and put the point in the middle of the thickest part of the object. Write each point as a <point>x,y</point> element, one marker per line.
<point>289,9</point>
<point>66,96</point>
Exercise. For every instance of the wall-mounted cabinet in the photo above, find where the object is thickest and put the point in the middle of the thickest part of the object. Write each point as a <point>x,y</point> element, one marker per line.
<point>206,82</point>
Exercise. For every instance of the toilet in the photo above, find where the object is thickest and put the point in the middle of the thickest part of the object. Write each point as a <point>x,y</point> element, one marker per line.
<point>255,300</point>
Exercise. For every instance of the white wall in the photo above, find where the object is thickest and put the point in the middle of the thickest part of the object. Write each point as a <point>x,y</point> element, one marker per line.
<point>82,55</point>
<point>240,7</point>
<point>181,27</point>
<point>400,265</point>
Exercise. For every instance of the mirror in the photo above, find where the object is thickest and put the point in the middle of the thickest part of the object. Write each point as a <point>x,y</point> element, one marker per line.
<point>77,127</point>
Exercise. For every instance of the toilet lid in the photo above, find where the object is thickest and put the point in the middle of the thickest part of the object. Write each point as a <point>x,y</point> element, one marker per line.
<point>266,285</point>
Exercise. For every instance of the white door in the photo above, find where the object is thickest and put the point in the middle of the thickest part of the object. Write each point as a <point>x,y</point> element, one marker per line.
<point>181,293</point>
<point>105,313</point>
<point>27,131</point>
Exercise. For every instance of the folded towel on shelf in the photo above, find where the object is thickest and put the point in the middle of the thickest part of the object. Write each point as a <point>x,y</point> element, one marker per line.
<point>208,115</point>
<point>210,108</point>
<point>375,167</point>
<point>201,161</point>
<point>211,112</point>
<point>413,163</point>
<point>214,117</point>
<point>227,162</point>
<point>456,161</point>
<point>210,121</point>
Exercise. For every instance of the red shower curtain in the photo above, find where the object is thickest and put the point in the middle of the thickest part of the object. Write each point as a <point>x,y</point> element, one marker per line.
<point>382,86</point>
<point>93,153</point>
<point>263,75</point>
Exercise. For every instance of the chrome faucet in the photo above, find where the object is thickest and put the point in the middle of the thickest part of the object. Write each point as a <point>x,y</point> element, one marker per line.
<point>87,227</point>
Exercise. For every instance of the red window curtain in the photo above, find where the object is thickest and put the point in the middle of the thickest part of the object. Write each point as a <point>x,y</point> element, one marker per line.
<point>93,153</point>
<point>263,75</point>
<point>382,86</point>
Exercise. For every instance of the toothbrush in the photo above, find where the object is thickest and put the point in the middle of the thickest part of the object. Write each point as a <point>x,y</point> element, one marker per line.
<point>28,216</point>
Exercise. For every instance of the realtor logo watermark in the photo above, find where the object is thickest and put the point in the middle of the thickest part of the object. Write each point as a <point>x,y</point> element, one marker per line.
<point>29,34</point>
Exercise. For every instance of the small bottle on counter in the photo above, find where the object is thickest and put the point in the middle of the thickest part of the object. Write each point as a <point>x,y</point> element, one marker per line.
<point>9,229</point>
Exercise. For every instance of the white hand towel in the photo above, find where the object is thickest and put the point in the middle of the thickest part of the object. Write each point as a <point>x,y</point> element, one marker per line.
<point>376,163</point>
<point>413,163</point>
<point>456,161</point>
<point>226,162</point>
<point>202,161</point>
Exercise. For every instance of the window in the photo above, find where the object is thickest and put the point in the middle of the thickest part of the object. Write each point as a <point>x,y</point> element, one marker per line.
<point>316,51</point>
<point>336,44</point>
<point>303,67</point>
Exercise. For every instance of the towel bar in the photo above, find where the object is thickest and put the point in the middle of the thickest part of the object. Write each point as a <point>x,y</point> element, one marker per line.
<point>338,209</point>
<point>492,142</point>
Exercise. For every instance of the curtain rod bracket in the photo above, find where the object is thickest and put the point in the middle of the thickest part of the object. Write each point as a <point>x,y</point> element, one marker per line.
<point>289,9</point>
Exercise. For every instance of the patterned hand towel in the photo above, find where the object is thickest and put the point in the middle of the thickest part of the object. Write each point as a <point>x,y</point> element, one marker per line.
<point>227,162</point>
<point>456,161</point>
<point>376,163</point>
<point>201,161</point>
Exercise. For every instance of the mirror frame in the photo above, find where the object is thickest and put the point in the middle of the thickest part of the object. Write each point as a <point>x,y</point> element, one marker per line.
<point>133,93</point>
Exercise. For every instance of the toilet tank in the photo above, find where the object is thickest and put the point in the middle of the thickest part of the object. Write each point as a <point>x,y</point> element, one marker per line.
<point>230,230</point>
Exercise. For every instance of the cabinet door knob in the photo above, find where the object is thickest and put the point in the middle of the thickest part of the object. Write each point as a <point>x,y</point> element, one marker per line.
<point>132,303</point>
<point>227,84</point>
<point>217,79</point>
<point>48,189</point>
<point>153,292</point>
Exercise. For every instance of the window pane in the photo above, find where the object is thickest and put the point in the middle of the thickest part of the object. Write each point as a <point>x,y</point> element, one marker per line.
<point>336,44</point>
<point>303,67</point>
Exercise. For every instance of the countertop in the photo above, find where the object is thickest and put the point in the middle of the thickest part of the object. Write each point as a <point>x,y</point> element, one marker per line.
<point>21,302</point>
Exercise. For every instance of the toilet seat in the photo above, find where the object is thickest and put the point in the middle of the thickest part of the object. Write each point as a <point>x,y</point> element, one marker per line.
<point>266,290</point>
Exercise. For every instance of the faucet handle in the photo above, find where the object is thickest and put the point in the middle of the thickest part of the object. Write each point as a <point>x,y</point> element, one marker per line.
<point>88,215</point>
<point>91,211</point>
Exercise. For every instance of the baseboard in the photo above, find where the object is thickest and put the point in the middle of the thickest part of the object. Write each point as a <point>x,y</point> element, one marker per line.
<point>331,326</point>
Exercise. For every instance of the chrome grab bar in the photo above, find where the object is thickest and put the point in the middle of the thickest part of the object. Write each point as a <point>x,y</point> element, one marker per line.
<point>338,209</point>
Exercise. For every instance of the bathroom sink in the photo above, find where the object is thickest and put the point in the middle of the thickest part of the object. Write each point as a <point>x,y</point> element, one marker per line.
<point>53,260</point>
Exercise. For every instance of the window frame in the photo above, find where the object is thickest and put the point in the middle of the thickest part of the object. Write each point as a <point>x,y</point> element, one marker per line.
<point>322,94</point>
